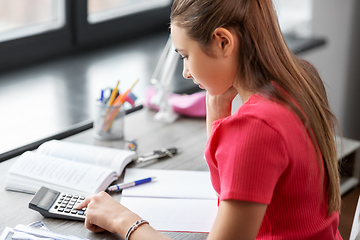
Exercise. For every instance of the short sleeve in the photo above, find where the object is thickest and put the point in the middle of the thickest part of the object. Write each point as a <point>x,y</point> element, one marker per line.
<point>251,157</point>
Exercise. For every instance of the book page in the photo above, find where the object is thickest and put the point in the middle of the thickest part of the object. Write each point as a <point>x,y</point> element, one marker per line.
<point>164,214</point>
<point>170,184</point>
<point>115,159</point>
<point>38,170</point>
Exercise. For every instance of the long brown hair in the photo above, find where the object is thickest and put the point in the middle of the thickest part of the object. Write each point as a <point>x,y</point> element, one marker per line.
<point>265,57</point>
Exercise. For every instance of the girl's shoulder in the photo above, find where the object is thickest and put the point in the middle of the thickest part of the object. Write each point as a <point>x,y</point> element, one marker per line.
<point>271,113</point>
<point>261,107</point>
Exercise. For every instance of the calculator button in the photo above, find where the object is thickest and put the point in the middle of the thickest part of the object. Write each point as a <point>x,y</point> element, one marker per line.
<point>63,205</point>
<point>81,212</point>
<point>74,211</point>
<point>67,210</point>
<point>56,207</point>
<point>82,198</point>
<point>61,209</point>
<point>76,197</point>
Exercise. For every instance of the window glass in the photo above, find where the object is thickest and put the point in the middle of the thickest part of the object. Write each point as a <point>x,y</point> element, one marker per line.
<point>21,18</point>
<point>295,16</point>
<point>103,10</point>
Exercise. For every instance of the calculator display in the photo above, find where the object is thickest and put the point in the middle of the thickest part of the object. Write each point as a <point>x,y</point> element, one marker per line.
<point>47,199</point>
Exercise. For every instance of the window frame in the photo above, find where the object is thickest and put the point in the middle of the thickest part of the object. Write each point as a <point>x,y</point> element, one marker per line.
<point>31,49</point>
<point>78,34</point>
<point>133,25</point>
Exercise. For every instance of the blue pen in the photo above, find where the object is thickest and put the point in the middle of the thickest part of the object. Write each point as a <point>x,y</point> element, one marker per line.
<point>121,186</point>
<point>101,96</point>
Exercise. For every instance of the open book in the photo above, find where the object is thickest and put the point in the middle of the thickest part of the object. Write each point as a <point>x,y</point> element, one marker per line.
<point>175,201</point>
<point>68,167</point>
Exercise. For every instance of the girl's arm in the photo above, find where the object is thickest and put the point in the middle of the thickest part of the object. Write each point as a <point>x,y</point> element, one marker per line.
<point>105,213</point>
<point>237,220</point>
<point>218,107</point>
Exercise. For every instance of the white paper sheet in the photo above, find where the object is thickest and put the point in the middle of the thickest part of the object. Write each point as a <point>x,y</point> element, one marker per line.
<point>176,201</point>
<point>170,183</point>
<point>166,214</point>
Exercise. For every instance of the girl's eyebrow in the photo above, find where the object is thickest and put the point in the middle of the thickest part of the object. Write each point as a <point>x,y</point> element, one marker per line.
<point>178,50</point>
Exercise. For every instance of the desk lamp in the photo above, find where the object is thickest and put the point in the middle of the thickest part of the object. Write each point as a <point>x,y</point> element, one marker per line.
<point>164,70</point>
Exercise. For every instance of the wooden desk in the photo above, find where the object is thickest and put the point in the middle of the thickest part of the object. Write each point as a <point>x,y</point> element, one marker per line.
<point>187,134</point>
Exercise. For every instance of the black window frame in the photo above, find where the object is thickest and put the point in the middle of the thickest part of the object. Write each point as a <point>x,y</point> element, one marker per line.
<point>23,51</point>
<point>118,29</point>
<point>78,34</point>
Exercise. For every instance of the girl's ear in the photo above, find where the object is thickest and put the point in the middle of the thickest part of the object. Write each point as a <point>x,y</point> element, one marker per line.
<point>223,42</point>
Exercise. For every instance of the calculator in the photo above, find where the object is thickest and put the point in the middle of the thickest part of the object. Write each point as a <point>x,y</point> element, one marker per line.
<point>53,204</point>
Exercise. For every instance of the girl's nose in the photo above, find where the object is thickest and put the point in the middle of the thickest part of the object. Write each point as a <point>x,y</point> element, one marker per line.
<point>186,73</point>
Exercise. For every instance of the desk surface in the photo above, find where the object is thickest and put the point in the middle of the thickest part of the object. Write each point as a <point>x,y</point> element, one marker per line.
<point>187,134</point>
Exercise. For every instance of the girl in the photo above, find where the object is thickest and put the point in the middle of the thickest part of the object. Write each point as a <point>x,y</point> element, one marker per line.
<point>273,162</point>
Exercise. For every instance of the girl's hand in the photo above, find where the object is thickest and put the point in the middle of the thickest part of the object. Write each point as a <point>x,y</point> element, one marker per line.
<point>218,106</point>
<point>105,213</point>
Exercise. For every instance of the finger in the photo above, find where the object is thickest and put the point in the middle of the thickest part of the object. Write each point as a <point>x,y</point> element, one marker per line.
<point>83,203</point>
<point>96,229</point>
<point>89,225</point>
<point>92,227</point>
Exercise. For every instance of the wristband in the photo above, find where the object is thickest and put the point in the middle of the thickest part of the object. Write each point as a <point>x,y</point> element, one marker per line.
<point>134,227</point>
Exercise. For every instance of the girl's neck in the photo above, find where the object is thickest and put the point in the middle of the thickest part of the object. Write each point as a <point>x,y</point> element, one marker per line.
<point>244,94</point>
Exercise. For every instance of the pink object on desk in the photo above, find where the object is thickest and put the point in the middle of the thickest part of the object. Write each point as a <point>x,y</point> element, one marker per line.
<point>191,105</point>
<point>130,98</point>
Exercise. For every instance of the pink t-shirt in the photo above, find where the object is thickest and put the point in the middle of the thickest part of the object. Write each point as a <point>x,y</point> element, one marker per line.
<point>263,154</point>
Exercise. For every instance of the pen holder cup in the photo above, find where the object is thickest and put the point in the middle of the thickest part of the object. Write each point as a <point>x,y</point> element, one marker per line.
<point>108,122</point>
